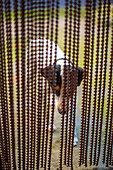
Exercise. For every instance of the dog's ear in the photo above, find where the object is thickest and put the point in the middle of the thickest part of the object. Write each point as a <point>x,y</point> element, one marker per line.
<point>80,75</point>
<point>47,71</point>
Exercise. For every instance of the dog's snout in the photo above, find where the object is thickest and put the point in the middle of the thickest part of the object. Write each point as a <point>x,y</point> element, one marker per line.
<point>60,110</point>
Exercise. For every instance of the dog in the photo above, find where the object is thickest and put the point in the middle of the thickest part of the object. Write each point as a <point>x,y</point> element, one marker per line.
<point>47,71</point>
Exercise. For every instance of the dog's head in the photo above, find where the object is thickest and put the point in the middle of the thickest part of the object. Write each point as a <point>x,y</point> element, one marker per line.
<point>65,81</point>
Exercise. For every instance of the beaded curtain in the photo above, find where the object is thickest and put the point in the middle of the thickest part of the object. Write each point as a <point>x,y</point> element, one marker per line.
<point>26,141</point>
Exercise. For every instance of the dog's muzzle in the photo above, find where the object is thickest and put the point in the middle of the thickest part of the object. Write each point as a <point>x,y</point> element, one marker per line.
<point>61,111</point>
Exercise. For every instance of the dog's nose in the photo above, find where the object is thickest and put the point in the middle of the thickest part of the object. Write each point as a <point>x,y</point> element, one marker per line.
<point>59,110</point>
